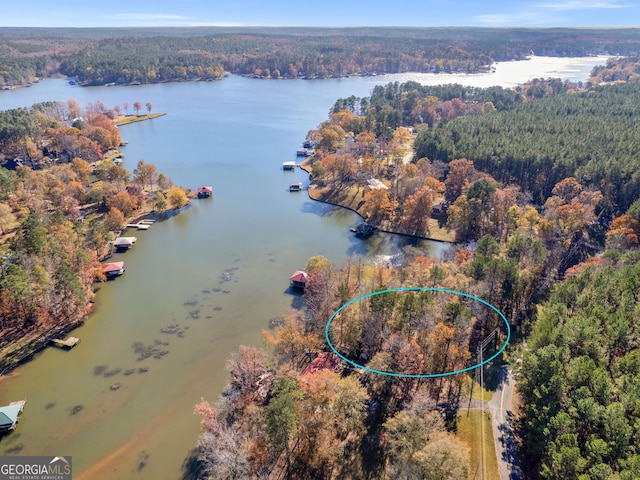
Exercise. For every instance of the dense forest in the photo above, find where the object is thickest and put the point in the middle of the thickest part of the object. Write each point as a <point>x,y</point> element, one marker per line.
<point>555,250</point>
<point>156,54</point>
<point>591,135</point>
<point>61,203</point>
<point>580,381</point>
<point>306,415</point>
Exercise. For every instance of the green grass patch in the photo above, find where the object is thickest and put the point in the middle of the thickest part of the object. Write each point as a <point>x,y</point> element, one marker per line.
<point>469,432</point>
<point>471,388</point>
<point>126,119</point>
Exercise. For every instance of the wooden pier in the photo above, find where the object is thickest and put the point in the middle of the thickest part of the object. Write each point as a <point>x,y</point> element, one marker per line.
<point>142,224</point>
<point>68,343</point>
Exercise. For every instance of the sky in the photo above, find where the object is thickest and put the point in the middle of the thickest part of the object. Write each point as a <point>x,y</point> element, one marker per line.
<point>325,13</point>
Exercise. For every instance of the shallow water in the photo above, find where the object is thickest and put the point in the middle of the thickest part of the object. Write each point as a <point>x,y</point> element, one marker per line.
<point>196,285</point>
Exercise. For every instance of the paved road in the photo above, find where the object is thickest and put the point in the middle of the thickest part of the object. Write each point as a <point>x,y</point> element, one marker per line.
<point>502,417</point>
<point>501,421</point>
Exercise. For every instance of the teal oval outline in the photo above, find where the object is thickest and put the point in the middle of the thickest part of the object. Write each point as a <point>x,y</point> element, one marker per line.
<point>417,289</point>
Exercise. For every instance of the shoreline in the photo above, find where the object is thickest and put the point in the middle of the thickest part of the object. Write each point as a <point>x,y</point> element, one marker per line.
<point>127,119</point>
<point>36,343</point>
<point>418,237</point>
<point>23,349</point>
<point>32,344</point>
<point>480,70</point>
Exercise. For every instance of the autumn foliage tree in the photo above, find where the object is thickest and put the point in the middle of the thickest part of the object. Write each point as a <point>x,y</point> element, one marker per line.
<point>123,202</point>
<point>145,174</point>
<point>377,205</point>
<point>177,198</point>
<point>416,210</point>
<point>114,219</point>
<point>623,232</point>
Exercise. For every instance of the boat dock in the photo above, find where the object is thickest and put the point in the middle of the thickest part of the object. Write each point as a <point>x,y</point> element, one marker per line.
<point>141,225</point>
<point>299,280</point>
<point>289,165</point>
<point>124,243</point>
<point>363,230</point>
<point>205,192</point>
<point>68,343</point>
<point>9,415</point>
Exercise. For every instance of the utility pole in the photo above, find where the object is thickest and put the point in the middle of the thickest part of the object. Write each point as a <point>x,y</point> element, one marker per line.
<point>484,344</point>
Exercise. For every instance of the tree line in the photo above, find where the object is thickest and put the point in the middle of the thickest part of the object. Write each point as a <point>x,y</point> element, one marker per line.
<point>580,375</point>
<point>535,144</point>
<point>54,132</point>
<point>154,55</point>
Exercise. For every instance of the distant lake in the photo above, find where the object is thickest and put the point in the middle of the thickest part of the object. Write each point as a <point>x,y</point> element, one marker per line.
<point>201,283</point>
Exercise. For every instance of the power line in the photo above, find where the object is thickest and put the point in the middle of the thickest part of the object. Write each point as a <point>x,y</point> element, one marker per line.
<point>484,344</point>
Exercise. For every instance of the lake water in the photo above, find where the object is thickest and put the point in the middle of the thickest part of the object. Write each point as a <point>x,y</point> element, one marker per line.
<point>216,273</point>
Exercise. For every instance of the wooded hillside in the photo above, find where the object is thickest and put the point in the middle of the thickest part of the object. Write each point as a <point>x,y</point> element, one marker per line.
<point>94,56</point>
<point>591,135</point>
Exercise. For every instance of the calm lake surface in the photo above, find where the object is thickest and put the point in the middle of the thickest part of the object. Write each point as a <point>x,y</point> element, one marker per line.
<point>216,273</point>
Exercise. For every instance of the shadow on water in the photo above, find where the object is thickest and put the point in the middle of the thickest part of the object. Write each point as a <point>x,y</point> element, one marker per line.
<point>8,442</point>
<point>379,243</point>
<point>325,210</point>
<point>192,468</point>
<point>297,301</point>
<point>166,215</point>
<point>363,246</point>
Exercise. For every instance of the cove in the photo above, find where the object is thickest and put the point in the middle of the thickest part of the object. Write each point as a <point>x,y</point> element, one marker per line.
<point>213,275</point>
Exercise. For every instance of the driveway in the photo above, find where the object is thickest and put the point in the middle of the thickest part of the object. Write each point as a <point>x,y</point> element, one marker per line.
<point>502,416</point>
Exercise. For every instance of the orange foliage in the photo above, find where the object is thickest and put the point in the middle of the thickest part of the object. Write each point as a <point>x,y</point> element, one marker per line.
<point>461,173</point>
<point>598,262</point>
<point>463,257</point>
<point>624,231</point>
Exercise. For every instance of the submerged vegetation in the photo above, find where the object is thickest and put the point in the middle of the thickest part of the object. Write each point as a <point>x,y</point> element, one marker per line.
<point>61,203</point>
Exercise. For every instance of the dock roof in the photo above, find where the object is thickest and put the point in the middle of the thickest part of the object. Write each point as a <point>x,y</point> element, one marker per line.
<point>125,241</point>
<point>112,267</point>
<point>299,276</point>
<point>9,414</point>
<point>5,421</point>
